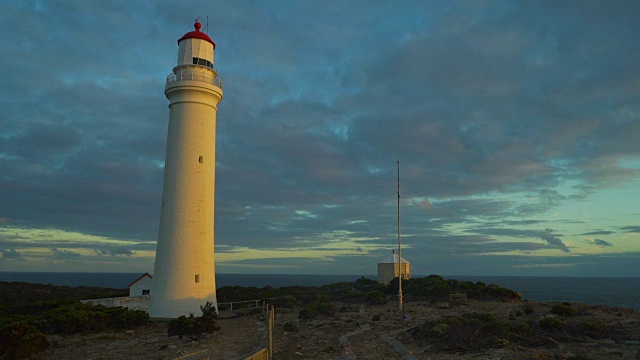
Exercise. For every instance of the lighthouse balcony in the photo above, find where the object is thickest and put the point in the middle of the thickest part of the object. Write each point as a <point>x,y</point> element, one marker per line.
<point>194,76</point>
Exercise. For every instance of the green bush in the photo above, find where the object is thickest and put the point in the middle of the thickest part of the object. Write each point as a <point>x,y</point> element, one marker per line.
<point>20,340</point>
<point>471,331</point>
<point>527,308</point>
<point>286,301</point>
<point>347,308</point>
<point>593,328</point>
<point>208,319</point>
<point>290,326</point>
<point>195,326</point>
<point>183,325</point>
<point>563,310</point>
<point>580,357</point>
<point>317,308</point>
<point>30,322</point>
<point>436,288</point>
<point>552,324</point>
<point>376,297</point>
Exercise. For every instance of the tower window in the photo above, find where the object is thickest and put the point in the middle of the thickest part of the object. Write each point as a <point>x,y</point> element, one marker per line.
<point>197,278</point>
<point>202,62</point>
<point>201,159</point>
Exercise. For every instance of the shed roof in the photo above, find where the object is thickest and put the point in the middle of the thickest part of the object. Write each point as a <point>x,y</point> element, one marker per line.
<point>393,259</point>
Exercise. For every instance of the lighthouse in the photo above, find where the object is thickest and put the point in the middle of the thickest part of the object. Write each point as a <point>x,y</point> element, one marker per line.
<point>184,271</point>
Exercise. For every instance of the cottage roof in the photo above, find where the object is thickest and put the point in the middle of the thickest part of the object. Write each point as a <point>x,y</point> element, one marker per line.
<point>140,278</point>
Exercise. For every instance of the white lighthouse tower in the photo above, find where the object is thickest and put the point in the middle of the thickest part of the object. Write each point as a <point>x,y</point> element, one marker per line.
<point>184,272</point>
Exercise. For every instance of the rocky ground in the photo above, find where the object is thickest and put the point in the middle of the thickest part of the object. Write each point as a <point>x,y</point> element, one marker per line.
<point>366,332</point>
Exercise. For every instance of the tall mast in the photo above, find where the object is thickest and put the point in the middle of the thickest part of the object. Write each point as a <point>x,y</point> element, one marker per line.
<point>399,246</point>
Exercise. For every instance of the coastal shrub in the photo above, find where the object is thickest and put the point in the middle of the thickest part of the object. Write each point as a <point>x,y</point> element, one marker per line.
<point>475,331</point>
<point>593,328</point>
<point>376,297</point>
<point>317,308</point>
<point>551,324</point>
<point>527,308</point>
<point>208,319</point>
<point>520,331</point>
<point>32,321</point>
<point>375,317</point>
<point>19,293</point>
<point>287,301</point>
<point>329,349</point>
<point>348,308</point>
<point>21,340</point>
<point>238,293</point>
<point>367,285</point>
<point>184,326</point>
<point>580,357</point>
<point>290,326</point>
<point>436,288</point>
<point>75,317</point>
<point>563,310</point>
<point>72,319</point>
<point>195,326</point>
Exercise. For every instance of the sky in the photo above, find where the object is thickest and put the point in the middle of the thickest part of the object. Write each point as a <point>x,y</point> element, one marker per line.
<point>516,125</point>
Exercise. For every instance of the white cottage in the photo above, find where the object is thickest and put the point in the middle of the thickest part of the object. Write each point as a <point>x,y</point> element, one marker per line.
<point>141,285</point>
<point>392,267</point>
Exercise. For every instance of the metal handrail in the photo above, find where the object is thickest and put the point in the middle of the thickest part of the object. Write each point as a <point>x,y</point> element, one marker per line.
<point>190,76</point>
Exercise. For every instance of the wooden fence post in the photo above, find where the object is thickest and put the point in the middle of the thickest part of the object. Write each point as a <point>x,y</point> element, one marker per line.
<point>271,320</point>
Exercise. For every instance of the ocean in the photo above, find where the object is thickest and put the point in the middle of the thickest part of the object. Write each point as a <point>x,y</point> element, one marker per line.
<point>623,292</point>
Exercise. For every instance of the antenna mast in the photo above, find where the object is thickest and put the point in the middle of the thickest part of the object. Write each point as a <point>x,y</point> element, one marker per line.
<point>399,246</point>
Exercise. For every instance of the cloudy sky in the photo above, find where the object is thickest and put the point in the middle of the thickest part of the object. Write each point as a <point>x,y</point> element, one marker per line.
<point>516,125</point>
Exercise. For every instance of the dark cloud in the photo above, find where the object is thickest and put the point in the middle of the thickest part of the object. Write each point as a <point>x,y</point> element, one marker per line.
<point>11,254</point>
<point>64,254</point>
<point>598,232</point>
<point>600,242</point>
<point>113,251</point>
<point>553,240</point>
<point>631,229</point>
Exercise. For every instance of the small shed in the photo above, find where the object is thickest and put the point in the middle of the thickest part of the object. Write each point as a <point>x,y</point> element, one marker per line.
<point>392,267</point>
<point>141,285</point>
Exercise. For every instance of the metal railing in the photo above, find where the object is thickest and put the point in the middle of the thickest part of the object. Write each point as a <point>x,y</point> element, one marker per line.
<point>247,304</point>
<point>191,76</point>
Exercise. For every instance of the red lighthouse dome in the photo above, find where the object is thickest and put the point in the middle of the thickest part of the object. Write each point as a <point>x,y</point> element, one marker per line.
<point>197,34</point>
